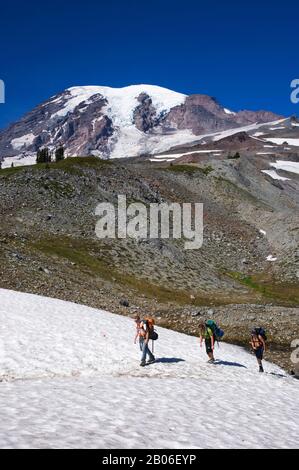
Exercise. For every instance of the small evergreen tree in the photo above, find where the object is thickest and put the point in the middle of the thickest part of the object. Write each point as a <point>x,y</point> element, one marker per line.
<point>43,155</point>
<point>38,156</point>
<point>59,154</point>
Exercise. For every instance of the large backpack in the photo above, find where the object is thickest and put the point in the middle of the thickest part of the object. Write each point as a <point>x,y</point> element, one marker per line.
<point>217,332</point>
<point>150,325</point>
<point>261,332</point>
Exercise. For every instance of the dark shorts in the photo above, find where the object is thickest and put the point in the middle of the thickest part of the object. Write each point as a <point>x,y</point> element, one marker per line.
<point>208,343</point>
<point>259,353</point>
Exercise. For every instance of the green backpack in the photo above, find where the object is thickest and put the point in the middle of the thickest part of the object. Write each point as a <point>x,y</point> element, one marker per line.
<point>218,333</point>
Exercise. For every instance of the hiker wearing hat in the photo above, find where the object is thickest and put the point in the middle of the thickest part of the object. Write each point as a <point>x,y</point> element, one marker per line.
<point>258,344</point>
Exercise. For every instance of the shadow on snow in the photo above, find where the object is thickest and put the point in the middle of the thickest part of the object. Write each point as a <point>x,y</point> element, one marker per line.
<point>227,363</point>
<point>169,360</point>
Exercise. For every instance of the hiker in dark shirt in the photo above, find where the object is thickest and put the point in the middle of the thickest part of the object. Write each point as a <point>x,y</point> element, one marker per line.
<point>258,345</point>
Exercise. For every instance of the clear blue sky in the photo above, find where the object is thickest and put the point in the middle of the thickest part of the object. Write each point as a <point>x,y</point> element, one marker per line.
<point>244,54</point>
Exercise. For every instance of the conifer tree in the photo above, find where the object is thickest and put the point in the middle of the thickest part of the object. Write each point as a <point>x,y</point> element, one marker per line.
<point>59,154</point>
<point>43,155</point>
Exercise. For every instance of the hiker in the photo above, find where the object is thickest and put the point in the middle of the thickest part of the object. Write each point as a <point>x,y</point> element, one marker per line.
<point>138,336</point>
<point>207,334</point>
<point>146,331</point>
<point>258,344</point>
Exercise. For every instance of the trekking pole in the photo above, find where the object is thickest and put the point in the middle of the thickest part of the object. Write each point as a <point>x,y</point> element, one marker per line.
<point>153,345</point>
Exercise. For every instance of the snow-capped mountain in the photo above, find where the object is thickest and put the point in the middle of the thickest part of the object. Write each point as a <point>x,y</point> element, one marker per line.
<point>121,122</point>
<point>70,377</point>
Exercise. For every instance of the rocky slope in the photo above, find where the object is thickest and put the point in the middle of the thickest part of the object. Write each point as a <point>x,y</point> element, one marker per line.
<point>125,122</point>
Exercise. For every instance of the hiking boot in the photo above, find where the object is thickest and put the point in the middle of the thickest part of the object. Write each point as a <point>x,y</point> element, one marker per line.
<point>142,363</point>
<point>151,361</point>
<point>261,369</point>
<point>211,361</point>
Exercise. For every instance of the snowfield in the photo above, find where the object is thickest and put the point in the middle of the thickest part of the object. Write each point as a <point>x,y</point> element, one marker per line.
<point>70,378</point>
<point>122,101</point>
<point>274,175</point>
<point>23,141</point>
<point>294,142</point>
<point>19,160</point>
<point>291,167</point>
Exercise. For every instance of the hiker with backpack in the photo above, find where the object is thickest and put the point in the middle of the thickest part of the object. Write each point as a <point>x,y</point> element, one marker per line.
<point>147,333</point>
<point>207,335</point>
<point>210,333</point>
<point>258,344</point>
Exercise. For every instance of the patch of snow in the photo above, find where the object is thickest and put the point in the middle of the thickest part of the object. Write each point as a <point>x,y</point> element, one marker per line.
<point>264,153</point>
<point>71,379</point>
<point>94,121</point>
<point>274,175</point>
<point>22,142</point>
<point>128,142</point>
<point>281,141</point>
<point>183,154</point>
<point>276,128</point>
<point>263,232</point>
<point>291,167</point>
<point>19,160</point>
<point>53,100</point>
<point>271,258</point>
<point>161,160</point>
<point>78,95</point>
<point>228,111</point>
